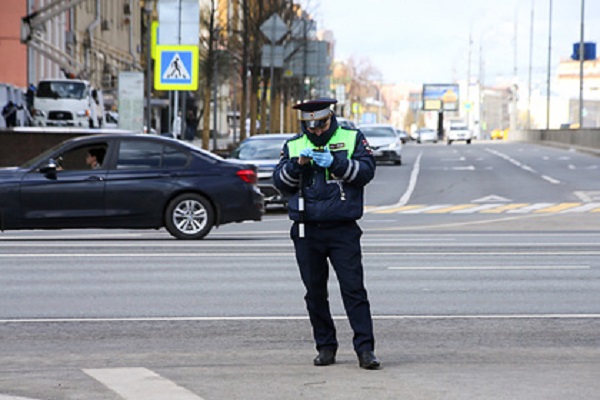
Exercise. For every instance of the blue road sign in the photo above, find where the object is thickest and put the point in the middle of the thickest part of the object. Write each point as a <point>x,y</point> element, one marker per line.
<point>176,68</point>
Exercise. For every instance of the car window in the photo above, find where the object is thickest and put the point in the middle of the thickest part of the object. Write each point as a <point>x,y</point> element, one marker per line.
<point>259,150</point>
<point>78,158</point>
<point>378,132</point>
<point>174,158</point>
<point>135,154</point>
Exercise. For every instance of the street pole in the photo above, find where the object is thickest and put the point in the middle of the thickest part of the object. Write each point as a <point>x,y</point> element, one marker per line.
<point>514,118</point>
<point>148,8</point>
<point>549,62</point>
<point>581,58</point>
<point>469,124</point>
<point>530,67</point>
<point>215,88</point>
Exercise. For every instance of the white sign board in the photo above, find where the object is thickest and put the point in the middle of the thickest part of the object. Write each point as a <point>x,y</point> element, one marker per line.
<point>274,28</point>
<point>340,93</point>
<point>131,101</point>
<point>272,55</point>
<point>179,22</point>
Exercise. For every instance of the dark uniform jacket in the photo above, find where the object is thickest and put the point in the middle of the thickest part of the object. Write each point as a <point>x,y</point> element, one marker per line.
<point>331,194</point>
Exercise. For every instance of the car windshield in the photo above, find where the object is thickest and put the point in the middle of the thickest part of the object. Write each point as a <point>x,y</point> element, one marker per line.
<point>61,90</point>
<point>264,149</point>
<point>377,132</point>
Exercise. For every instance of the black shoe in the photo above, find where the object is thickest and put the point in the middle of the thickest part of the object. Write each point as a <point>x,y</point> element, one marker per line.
<point>368,360</point>
<point>325,357</point>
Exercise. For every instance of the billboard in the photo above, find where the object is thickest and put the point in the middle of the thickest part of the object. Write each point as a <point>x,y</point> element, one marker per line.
<point>440,97</point>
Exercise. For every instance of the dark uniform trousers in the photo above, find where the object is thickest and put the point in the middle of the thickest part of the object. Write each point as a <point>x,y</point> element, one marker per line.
<point>340,243</point>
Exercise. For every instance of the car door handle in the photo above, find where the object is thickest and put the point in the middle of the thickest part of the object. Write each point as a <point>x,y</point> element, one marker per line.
<point>95,178</point>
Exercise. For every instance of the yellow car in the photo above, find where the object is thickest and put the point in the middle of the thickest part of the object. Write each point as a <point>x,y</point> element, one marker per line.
<point>499,134</point>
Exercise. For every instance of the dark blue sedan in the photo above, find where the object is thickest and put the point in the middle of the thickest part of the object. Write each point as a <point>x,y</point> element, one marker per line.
<point>128,181</point>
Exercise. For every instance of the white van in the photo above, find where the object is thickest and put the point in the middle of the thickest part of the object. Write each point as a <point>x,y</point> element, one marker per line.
<point>68,102</point>
<point>458,130</point>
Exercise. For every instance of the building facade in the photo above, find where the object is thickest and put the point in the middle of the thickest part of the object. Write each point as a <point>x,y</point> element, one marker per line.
<point>90,39</point>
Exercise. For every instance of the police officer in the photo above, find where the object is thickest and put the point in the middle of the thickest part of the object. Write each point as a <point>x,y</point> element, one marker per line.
<point>325,169</point>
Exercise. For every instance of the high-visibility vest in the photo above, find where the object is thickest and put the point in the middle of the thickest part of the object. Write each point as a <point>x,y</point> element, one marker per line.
<point>342,139</point>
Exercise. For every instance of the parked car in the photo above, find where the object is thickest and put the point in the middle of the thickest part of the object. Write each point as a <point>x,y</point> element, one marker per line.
<point>346,123</point>
<point>143,181</point>
<point>264,151</point>
<point>384,141</point>
<point>426,135</point>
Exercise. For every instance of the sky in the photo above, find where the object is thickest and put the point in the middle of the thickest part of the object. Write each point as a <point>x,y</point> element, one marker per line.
<point>427,41</point>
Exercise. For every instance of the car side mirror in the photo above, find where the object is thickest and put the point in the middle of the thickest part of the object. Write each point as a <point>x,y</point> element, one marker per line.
<point>51,166</point>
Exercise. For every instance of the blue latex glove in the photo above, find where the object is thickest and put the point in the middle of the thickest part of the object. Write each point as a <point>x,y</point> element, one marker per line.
<point>307,152</point>
<point>323,158</point>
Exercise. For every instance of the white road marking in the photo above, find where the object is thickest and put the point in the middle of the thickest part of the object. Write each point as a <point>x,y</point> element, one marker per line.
<point>530,208</point>
<point>492,198</point>
<point>5,397</point>
<point>291,252</point>
<point>477,209</point>
<point>497,268</point>
<point>522,166</point>
<point>411,186</point>
<point>427,208</point>
<point>550,179</point>
<point>288,318</point>
<point>140,384</point>
<point>582,208</point>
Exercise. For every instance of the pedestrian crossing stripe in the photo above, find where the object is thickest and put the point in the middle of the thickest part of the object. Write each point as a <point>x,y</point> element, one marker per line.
<point>495,208</point>
<point>140,383</point>
<point>176,68</point>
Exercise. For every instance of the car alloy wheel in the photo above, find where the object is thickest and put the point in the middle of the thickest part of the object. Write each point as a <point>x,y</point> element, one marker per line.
<point>189,216</point>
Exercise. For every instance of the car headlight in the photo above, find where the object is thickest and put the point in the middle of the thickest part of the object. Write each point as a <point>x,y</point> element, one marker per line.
<point>39,113</point>
<point>82,113</point>
<point>393,145</point>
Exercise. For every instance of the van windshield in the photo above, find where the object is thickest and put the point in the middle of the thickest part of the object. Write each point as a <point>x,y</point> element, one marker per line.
<point>61,90</point>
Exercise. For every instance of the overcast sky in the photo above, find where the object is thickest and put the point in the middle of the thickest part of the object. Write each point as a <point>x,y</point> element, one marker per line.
<point>427,41</point>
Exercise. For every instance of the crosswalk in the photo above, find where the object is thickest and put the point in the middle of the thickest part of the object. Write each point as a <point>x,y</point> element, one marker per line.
<point>132,384</point>
<point>491,208</point>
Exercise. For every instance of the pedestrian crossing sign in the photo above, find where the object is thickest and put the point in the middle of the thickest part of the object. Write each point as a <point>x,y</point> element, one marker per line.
<point>176,68</point>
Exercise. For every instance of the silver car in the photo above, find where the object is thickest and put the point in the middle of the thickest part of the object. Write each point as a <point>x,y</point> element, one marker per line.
<point>264,151</point>
<point>427,135</point>
<point>385,142</point>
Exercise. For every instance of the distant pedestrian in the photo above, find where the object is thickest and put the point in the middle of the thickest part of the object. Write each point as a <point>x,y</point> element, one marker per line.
<point>9,113</point>
<point>191,125</point>
<point>29,96</point>
<point>176,130</point>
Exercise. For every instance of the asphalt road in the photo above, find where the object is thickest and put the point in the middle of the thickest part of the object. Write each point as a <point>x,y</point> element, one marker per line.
<point>481,263</point>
